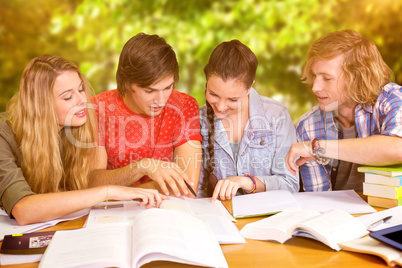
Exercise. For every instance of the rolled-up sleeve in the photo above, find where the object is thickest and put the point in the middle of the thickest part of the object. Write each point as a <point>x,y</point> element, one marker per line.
<point>390,111</point>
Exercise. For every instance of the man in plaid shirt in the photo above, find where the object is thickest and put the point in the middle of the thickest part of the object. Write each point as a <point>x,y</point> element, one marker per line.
<point>358,120</point>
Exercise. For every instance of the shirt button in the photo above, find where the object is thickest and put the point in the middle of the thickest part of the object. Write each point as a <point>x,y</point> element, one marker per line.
<point>262,142</point>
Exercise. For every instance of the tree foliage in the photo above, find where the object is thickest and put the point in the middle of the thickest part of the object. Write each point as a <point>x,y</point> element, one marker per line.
<point>93,32</point>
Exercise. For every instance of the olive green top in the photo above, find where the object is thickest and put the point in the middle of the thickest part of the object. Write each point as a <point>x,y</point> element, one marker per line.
<point>13,185</point>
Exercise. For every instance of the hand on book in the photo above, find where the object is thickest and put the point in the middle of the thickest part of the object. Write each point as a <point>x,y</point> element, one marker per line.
<point>147,197</point>
<point>227,188</point>
<point>167,174</point>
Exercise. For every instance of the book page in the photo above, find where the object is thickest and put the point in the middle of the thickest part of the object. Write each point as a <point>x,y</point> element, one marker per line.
<point>9,259</point>
<point>333,227</point>
<point>276,227</point>
<point>127,211</point>
<point>174,236</point>
<point>214,214</point>
<point>97,246</point>
<point>224,229</point>
<point>346,200</point>
<point>373,221</point>
<point>263,203</point>
<point>197,207</point>
<point>116,212</point>
<point>369,245</point>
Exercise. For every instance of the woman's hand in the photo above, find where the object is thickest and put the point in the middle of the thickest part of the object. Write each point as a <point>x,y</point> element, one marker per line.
<point>227,188</point>
<point>148,197</point>
<point>166,173</point>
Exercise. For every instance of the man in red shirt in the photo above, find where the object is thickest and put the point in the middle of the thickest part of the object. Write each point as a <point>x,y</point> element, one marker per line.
<point>149,133</point>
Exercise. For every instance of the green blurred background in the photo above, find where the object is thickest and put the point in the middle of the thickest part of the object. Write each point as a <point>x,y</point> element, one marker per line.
<point>91,33</point>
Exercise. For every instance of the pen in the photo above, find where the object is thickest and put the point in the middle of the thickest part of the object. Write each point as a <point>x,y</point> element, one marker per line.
<point>376,223</point>
<point>190,188</point>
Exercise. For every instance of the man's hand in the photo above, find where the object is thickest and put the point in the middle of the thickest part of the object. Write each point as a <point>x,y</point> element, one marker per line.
<point>298,149</point>
<point>166,173</point>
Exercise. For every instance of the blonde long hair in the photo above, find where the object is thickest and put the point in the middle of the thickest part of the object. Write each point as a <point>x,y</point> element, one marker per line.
<point>364,69</point>
<point>51,160</point>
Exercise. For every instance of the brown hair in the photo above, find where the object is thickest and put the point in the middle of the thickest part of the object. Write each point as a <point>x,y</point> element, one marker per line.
<point>145,60</point>
<point>229,60</point>
<point>364,69</point>
<point>50,161</point>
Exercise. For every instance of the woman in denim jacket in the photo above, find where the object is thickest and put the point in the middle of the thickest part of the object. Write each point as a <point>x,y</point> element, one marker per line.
<point>245,136</point>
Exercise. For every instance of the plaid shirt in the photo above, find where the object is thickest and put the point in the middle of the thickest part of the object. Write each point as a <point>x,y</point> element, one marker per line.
<point>384,118</point>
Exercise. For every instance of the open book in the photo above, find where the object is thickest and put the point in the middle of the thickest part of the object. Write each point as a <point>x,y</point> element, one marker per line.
<point>156,235</point>
<point>368,245</point>
<point>215,215</point>
<point>330,228</point>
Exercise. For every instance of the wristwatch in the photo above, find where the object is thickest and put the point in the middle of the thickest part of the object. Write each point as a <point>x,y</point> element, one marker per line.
<point>318,152</point>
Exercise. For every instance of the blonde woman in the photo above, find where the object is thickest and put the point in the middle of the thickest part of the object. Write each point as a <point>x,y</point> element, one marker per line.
<point>46,141</point>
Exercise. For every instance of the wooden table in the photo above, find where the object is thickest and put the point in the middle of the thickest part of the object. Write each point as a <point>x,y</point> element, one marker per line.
<point>297,252</point>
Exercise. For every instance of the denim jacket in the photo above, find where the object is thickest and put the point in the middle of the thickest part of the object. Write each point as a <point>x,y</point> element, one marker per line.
<point>266,140</point>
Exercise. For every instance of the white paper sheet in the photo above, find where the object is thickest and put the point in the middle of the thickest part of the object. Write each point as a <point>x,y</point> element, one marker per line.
<point>263,203</point>
<point>279,200</point>
<point>9,226</point>
<point>346,200</point>
<point>396,218</point>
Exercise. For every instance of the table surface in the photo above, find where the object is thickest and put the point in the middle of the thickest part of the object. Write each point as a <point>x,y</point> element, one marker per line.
<point>298,251</point>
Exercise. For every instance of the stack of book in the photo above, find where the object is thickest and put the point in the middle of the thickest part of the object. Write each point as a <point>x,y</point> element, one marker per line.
<point>383,185</point>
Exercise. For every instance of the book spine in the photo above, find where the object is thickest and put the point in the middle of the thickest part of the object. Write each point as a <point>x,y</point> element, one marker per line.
<point>382,190</point>
<point>384,202</point>
<point>383,180</point>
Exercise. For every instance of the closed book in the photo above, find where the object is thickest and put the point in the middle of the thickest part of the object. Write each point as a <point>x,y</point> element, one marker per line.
<point>24,248</point>
<point>384,202</point>
<point>382,190</point>
<point>383,180</point>
<point>395,170</point>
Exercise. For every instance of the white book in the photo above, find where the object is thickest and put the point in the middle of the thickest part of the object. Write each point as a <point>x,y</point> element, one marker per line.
<point>156,235</point>
<point>330,228</point>
<point>385,191</point>
<point>382,179</point>
<point>271,202</point>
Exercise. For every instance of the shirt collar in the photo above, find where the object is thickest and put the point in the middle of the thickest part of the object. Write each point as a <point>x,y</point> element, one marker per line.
<point>365,107</point>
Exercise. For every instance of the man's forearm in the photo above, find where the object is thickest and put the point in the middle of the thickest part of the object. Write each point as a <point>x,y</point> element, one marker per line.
<point>375,150</point>
<point>149,185</point>
<point>189,157</point>
<point>125,176</point>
